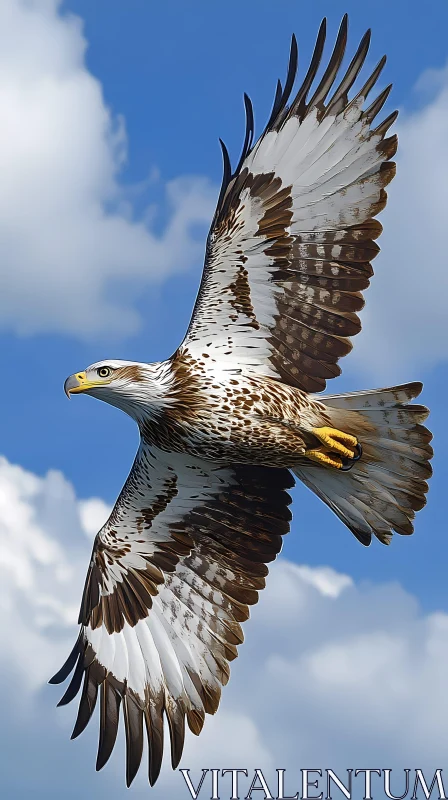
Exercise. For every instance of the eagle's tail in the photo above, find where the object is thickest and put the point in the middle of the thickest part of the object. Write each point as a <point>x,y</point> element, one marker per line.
<point>384,489</point>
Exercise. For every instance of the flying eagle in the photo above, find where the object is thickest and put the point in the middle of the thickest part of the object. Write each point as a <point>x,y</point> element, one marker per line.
<point>229,420</point>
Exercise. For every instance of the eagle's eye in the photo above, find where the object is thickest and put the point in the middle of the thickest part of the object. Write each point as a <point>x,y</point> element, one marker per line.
<point>104,372</point>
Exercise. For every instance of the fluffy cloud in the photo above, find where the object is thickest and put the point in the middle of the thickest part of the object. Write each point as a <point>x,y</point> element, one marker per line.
<point>67,236</point>
<point>405,315</point>
<point>93,513</point>
<point>43,548</point>
<point>332,674</point>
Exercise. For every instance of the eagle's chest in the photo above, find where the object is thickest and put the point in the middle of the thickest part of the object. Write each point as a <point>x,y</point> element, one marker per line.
<point>240,420</point>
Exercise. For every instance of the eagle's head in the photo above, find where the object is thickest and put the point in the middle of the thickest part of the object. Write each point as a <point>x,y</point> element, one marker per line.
<point>129,385</point>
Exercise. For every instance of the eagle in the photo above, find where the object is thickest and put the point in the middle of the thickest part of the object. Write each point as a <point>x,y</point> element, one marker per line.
<point>235,416</point>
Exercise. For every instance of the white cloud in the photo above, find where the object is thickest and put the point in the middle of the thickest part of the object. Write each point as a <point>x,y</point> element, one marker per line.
<point>93,513</point>
<point>405,314</point>
<point>67,236</point>
<point>42,558</point>
<point>326,580</point>
<point>332,674</point>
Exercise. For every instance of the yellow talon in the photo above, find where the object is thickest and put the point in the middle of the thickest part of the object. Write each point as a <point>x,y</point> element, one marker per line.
<point>336,441</point>
<point>324,459</point>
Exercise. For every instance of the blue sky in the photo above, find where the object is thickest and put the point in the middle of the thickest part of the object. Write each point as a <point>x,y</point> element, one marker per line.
<point>133,124</point>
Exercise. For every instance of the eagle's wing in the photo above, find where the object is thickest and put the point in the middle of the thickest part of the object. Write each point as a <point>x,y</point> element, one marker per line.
<point>172,573</point>
<point>289,250</point>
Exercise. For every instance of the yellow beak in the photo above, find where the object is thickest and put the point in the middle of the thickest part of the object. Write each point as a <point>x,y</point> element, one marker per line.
<point>77,383</point>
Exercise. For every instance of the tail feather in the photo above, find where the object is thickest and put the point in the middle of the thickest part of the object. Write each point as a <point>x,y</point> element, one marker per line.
<point>383,491</point>
<point>374,398</point>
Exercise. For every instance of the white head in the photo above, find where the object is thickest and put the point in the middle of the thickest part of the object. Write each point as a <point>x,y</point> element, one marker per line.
<point>138,389</point>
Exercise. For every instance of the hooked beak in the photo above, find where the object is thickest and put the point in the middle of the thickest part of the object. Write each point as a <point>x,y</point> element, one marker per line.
<point>76,383</point>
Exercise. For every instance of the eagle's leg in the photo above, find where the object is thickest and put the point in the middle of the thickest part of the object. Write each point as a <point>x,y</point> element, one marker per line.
<point>339,450</point>
<point>336,441</point>
<point>324,457</point>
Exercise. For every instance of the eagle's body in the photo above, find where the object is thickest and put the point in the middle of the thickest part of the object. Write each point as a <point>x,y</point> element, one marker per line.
<point>233,415</point>
<point>198,407</point>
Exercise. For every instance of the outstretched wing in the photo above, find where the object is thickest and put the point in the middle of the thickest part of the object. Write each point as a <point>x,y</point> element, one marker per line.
<point>290,246</point>
<point>172,573</point>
